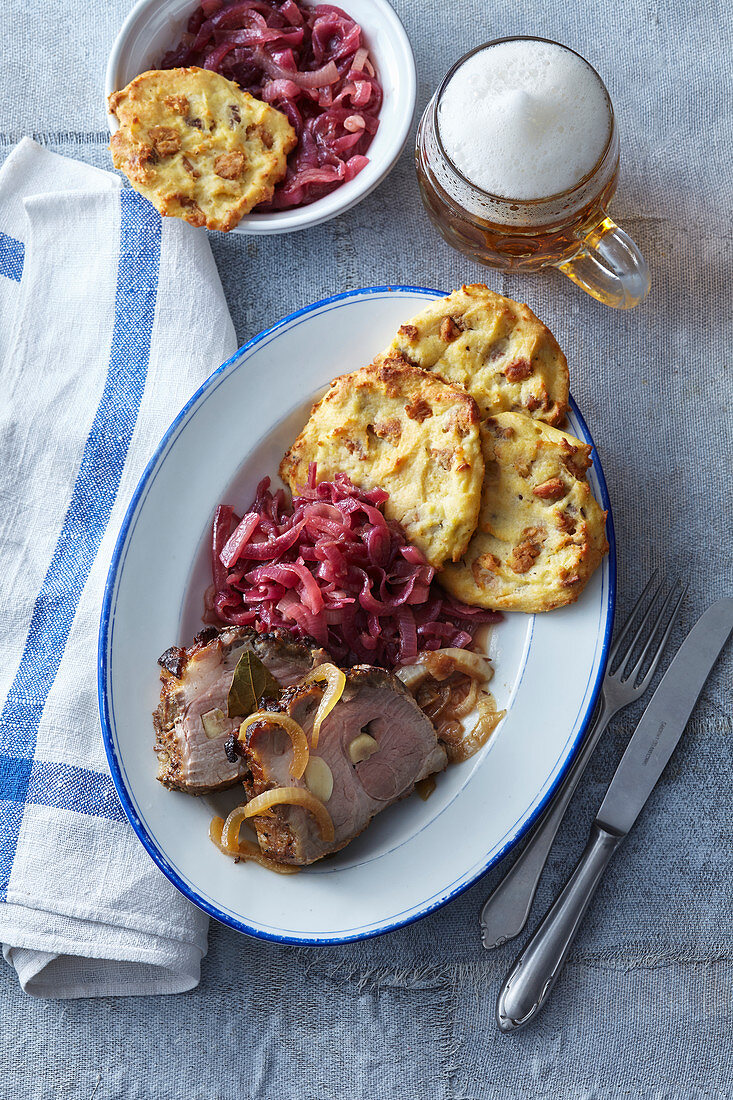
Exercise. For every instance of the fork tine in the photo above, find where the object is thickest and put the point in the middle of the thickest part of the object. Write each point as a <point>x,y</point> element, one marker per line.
<point>666,602</point>
<point>615,649</point>
<point>640,633</point>
<point>641,686</point>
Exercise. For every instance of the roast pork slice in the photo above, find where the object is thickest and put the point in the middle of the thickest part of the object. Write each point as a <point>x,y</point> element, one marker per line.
<point>195,682</point>
<point>375,703</point>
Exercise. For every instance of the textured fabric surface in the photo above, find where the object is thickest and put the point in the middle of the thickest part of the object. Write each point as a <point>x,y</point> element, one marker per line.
<point>95,293</point>
<point>645,1006</point>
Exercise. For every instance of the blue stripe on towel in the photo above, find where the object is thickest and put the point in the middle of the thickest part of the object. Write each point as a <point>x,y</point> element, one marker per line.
<point>88,513</point>
<point>44,783</point>
<point>11,815</point>
<point>12,257</point>
<point>77,789</point>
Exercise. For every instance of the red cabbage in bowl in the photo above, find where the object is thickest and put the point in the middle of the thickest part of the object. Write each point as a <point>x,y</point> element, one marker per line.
<point>308,62</point>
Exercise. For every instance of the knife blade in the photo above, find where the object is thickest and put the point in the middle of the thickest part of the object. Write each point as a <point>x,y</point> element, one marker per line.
<point>664,719</point>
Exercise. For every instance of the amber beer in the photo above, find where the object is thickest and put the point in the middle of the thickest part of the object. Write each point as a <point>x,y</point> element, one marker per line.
<point>517,159</point>
<point>527,247</point>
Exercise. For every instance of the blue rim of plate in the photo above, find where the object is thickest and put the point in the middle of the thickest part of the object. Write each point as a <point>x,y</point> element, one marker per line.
<point>107,617</point>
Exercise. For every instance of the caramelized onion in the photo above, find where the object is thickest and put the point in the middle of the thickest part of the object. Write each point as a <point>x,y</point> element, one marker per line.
<point>460,710</point>
<point>433,699</point>
<point>442,663</point>
<point>452,733</point>
<point>292,796</point>
<point>230,832</point>
<point>425,787</point>
<point>412,676</point>
<point>447,702</point>
<point>295,732</point>
<point>244,849</point>
<point>335,684</point>
<point>488,720</point>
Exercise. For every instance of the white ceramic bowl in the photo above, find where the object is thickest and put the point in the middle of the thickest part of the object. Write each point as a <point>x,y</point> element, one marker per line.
<point>154,26</point>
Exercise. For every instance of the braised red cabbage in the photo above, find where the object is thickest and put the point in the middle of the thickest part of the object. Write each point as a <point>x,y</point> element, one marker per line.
<point>308,62</point>
<point>332,567</point>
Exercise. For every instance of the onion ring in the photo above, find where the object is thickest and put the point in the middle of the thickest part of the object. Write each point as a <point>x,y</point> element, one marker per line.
<point>295,732</point>
<point>293,796</point>
<point>245,850</point>
<point>442,663</point>
<point>335,684</point>
<point>460,710</point>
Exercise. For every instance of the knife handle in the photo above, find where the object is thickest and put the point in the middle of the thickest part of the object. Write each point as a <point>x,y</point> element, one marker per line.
<point>536,968</point>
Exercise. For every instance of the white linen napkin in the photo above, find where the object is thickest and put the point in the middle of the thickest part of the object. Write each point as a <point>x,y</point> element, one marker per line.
<point>110,319</point>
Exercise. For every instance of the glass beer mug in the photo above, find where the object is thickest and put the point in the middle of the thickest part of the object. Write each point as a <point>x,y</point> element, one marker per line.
<point>536,119</point>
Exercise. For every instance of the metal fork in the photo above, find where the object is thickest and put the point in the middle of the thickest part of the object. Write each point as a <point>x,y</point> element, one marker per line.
<point>505,913</point>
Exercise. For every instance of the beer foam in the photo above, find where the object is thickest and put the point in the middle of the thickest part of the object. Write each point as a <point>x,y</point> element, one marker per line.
<point>524,119</point>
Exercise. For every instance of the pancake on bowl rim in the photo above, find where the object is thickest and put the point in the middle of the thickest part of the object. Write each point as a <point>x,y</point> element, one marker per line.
<point>197,146</point>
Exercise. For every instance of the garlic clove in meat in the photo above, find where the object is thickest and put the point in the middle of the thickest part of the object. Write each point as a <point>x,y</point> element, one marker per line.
<point>319,778</point>
<point>362,747</point>
<point>215,723</point>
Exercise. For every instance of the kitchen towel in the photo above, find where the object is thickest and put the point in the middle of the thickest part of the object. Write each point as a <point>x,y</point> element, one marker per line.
<point>111,317</point>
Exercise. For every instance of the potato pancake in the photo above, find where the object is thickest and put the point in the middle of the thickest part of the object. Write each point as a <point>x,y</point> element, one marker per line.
<point>404,430</point>
<point>540,534</point>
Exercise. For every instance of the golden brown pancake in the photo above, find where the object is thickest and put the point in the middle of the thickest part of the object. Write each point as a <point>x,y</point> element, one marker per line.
<point>493,347</point>
<point>540,534</point>
<point>402,429</point>
<point>197,146</point>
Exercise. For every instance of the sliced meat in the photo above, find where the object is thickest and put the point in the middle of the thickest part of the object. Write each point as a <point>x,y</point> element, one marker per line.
<point>374,702</point>
<point>195,682</point>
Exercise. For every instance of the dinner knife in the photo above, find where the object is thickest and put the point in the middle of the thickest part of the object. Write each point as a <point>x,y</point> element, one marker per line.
<point>535,970</point>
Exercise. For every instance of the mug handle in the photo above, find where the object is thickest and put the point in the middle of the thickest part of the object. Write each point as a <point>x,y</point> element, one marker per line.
<point>609,266</point>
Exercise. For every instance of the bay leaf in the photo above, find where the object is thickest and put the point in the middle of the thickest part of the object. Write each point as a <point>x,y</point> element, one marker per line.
<point>251,681</point>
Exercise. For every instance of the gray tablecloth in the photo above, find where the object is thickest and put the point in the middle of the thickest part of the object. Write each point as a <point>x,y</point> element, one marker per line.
<point>645,1007</point>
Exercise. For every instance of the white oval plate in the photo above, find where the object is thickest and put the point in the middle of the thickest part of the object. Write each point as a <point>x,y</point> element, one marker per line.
<point>416,855</point>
